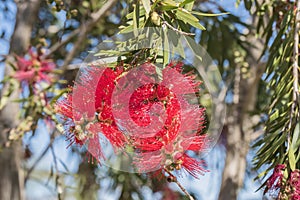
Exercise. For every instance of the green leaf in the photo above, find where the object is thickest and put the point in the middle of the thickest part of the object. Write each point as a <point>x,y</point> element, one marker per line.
<point>169,2</point>
<point>189,6</point>
<point>248,4</point>
<point>209,14</point>
<point>159,72</point>
<point>166,47</point>
<point>189,19</point>
<point>179,49</point>
<point>142,13</point>
<point>167,7</point>
<point>110,53</point>
<point>127,29</point>
<point>147,6</point>
<point>292,160</point>
<point>62,92</point>
<point>185,2</point>
<point>298,157</point>
<point>136,16</point>
<point>195,48</point>
<point>296,139</point>
<point>274,115</point>
<point>269,150</point>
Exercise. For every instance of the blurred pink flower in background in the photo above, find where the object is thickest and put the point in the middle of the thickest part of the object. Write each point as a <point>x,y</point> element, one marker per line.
<point>34,69</point>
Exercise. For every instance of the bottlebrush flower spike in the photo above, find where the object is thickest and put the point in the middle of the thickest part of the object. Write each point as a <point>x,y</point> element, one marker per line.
<point>275,180</point>
<point>168,148</point>
<point>87,110</point>
<point>135,108</point>
<point>294,182</point>
<point>34,69</point>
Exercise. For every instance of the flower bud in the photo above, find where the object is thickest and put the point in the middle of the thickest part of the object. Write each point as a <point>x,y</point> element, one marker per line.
<point>155,18</point>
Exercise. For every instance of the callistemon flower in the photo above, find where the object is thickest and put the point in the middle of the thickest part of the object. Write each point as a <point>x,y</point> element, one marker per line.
<point>34,69</point>
<point>294,182</point>
<point>87,110</point>
<point>157,116</point>
<point>165,107</point>
<point>274,183</point>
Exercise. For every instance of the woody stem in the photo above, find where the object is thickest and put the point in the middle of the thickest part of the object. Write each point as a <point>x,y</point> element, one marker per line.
<point>174,179</point>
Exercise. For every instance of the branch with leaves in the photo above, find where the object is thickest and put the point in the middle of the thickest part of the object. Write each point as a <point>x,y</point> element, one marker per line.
<point>278,148</point>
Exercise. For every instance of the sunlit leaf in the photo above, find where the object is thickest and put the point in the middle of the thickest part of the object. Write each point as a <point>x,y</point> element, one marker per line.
<point>292,159</point>
<point>147,6</point>
<point>209,14</point>
<point>189,19</point>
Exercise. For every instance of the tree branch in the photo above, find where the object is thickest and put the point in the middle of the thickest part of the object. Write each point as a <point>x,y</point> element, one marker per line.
<point>74,50</point>
<point>174,179</point>
<point>59,44</point>
<point>82,31</point>
<point>30,170</point>
<point>295,66</point>
<point>177,30</point>
<point>296,55</point>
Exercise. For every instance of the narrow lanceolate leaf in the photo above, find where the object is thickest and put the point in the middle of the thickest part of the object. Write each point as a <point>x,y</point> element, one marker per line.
<point>298,157</point>
<point>296,138</point>
<point>127,29</point>
<point>178,49</point>
<point>188,18</point>
<point>189,6</point>
<point>166,47</point>
<point>169,2</point>
<point>248,4</point>
<point>209,14</point>
<point>275,115</point>
<point>147,6</point>
<point>167,7</point>
<point>136,16</point>
<point>292,159</point>
<point>185,3</point>
<point>142,13</point>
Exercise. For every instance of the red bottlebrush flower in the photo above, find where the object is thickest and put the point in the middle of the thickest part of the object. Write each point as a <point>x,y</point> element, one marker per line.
<point>294,182</point>
<point>172,157</point>
<point>34,69</point>
<point>166,149</point>
<point>160,122</point>
<point>274,182</point>
<point>88,110</point>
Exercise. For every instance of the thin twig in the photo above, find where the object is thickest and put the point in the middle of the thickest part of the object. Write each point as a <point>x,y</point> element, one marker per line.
<point>177,30</point>
<point>95,17</point>
<point>59,44</point>
<point>296,55</point>
<point>74,50</point>
<point>295,65</point>
<point>174,179</point>
<point>57,175</point>
<point>37,161</point>
<point>52,137</point>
